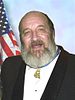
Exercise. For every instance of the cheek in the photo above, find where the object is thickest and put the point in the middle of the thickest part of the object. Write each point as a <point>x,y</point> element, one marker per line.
<point>45,39</point>
<point>47,42</point>
<point>26,42</point>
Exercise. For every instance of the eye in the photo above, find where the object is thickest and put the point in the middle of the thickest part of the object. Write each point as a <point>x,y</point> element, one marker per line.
<point>42,30</point>
<point>27,33</point>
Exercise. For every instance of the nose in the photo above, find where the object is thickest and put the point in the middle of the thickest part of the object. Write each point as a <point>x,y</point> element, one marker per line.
<point>34,36</point>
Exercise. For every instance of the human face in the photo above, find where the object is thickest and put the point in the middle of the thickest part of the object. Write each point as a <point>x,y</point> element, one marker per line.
<point>35,34</point>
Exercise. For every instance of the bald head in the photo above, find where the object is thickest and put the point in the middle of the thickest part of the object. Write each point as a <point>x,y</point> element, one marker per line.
<point>31,14</point>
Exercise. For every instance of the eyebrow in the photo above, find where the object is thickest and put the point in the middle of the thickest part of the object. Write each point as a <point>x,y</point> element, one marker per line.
<point>41,26</point>
<point>25,29</point>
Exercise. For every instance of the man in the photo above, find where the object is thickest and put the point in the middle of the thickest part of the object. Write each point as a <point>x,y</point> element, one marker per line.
<point>44,71</point>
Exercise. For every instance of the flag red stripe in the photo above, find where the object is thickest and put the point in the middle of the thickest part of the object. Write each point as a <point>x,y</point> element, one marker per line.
<point>11,37</point>
<point>6,47</point>
<point>18,52</point>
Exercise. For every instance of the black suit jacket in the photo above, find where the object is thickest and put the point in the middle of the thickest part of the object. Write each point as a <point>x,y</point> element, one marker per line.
<point>61,84</point>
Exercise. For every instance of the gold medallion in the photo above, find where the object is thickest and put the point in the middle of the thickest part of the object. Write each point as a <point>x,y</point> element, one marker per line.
<point>37,74</point>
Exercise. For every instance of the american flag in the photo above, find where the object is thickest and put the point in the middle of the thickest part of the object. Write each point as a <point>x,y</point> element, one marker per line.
<point>8,42</point>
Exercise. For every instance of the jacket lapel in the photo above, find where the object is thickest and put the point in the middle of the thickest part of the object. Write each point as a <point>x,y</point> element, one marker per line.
<point>56,78</point>
<point>9,75</point>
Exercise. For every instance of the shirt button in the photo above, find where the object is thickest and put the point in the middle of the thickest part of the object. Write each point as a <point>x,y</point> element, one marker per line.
<point>35,90</point>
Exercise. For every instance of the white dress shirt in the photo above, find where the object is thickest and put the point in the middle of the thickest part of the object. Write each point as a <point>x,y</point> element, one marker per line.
<point>34,87</point>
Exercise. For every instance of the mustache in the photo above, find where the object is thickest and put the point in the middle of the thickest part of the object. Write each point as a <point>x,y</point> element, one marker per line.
<point>37,42</point>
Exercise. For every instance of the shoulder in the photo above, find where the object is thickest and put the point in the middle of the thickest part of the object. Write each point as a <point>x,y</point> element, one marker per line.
<point>12,58</point>
<point>66,53</point>
<point>67,57</point>
<point>12,62</point>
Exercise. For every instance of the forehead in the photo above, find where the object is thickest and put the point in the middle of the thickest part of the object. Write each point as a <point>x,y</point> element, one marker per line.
<point>34,17</point>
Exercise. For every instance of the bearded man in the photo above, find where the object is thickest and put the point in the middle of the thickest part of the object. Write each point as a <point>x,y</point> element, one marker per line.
<point>44,70</point>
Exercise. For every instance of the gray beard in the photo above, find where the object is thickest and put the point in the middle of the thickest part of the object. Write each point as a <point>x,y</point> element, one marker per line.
<point>36,62</point>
